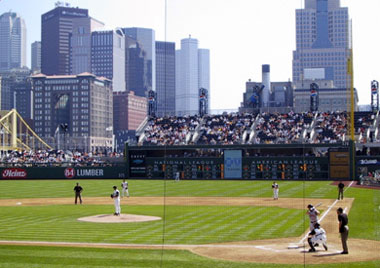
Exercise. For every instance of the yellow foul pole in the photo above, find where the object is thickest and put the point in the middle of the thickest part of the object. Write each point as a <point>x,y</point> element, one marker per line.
<point>350,71</point>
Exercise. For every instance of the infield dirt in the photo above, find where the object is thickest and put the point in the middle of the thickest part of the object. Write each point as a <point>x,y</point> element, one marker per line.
<point>259,251</point>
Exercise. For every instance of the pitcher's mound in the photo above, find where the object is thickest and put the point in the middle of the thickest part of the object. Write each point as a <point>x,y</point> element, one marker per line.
<point>107,218</point>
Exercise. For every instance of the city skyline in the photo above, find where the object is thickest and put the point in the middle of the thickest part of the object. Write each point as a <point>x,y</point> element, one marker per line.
<point>256,44</point>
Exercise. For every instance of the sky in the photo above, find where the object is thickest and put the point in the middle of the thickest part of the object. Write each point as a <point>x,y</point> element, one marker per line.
<point>241,35</point>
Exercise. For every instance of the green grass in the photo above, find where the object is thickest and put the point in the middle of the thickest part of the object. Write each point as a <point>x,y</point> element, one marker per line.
<point>64,188</point>
<point>183,224</point>
<point>53,257</point>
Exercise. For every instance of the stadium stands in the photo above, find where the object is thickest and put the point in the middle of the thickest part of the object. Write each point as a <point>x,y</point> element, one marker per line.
<point>56,158</point>
<point>263,128</point>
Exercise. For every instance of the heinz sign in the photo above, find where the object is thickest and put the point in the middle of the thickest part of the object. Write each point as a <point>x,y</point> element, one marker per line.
<point>14,173</point>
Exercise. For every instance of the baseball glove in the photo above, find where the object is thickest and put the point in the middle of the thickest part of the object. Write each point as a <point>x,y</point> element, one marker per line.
<point>111,195</point>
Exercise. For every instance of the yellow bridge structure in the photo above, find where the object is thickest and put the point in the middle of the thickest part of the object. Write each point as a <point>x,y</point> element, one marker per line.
<point>16,134</point>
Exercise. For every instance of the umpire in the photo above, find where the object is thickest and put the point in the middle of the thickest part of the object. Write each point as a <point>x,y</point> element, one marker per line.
<point>343,229</point>
<point>78,193</point>
<point>340,190</point>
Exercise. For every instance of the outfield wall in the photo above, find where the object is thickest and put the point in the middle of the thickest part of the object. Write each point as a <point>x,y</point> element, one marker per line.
<point>114,172</point>
<point>249,162</point>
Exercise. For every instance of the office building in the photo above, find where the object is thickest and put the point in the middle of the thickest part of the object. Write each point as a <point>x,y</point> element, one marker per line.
<point>323,40</point>
<point>129,110</point>
<point>56,29</point>
<point>36,57</point>
<point>108,57</point>
<point>74,111</point>
<point>12,41</point>
<point>147,40</point>
<point>192,73</point>
<point>15,91</point>
<point>80,44</point>
<point>136,67</point>
<point>165,78</point>
<point>330,98</point>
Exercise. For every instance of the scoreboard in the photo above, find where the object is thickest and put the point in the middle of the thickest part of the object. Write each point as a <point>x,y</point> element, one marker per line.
<point>293,168</point>
<point>253,162</point>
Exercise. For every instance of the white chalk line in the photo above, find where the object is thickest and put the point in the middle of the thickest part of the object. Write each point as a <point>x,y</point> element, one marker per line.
<point>325,214</point>
<point>306,235</point>
<point>270,249</point>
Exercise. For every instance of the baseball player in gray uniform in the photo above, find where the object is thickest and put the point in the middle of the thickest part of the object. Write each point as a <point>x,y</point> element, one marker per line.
<point>124,187</point>
<point>116,199</point>
<point>313,215</point>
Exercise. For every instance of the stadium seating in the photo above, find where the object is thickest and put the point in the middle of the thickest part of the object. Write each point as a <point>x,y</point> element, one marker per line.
<point>263,128</point>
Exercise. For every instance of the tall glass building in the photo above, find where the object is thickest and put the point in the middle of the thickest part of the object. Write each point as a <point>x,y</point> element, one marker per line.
<point>80,44</point>
<point>192,73</point>
<point>146,38</point>
<point>56,29</point>
<point>12,41</point>
<point>323,37</point>
<point>36,56</point>
<point>165,78</point>
<point>108,56</point>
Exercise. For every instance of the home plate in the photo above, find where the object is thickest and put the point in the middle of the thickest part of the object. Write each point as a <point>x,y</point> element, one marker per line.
<point>123,218</point>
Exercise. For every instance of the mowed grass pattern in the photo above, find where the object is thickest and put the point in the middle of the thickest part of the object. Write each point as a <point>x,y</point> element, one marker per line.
<point>92,188</point>
<point>179,224</point>
<point>183,224</point>
<point>54,257</point>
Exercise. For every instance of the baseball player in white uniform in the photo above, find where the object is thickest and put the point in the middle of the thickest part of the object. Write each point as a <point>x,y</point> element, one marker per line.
<point>116,199</point>
<point>124,187</point>
<point>275,189</point>
<point>318,235</point>
<point>313,215</point>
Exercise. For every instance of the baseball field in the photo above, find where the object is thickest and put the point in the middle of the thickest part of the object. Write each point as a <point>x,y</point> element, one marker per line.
<point>183,224</point>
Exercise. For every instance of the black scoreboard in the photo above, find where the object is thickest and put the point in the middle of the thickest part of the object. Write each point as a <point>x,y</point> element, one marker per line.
<point>208,162</point>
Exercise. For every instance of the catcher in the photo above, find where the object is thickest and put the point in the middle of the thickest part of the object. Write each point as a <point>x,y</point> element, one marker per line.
<point>316,236</point>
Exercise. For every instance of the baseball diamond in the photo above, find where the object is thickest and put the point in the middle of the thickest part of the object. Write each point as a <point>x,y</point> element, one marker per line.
<point>221,221</point>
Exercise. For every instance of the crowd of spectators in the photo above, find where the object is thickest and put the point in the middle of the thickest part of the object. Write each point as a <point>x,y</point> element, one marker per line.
<point>268,128</point>
<point>170,130</point>
<point>281,128</point>
<point>330,128</point>
<point>56,158</point>
<point>225,128</point>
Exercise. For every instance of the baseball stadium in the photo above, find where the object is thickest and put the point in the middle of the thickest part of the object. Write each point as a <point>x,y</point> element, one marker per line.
<point>290,180</point>
<point>204,199</point>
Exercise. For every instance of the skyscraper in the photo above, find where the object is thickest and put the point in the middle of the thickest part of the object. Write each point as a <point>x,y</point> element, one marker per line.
<point>136,67</point>
<point>12,41</point>
<point>108,57</point>
<point>323,39</point>
<point>80,44</point>
<point>192,73</point>
<point>36,56</point>
<point>147,40</point>
<point>56,29</point>
<point>165,78</point>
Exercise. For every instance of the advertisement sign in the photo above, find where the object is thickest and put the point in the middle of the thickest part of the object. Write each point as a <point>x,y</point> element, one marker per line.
<point>233,164</point>
<point>63,173</point>
<point>14,173</point>
<point>137,164</point>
